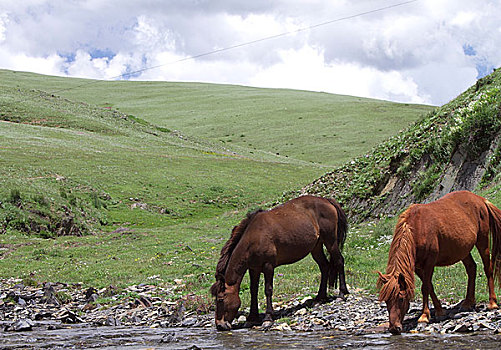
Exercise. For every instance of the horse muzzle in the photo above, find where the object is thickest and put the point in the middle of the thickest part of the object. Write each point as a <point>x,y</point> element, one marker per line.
<point>397,330</point>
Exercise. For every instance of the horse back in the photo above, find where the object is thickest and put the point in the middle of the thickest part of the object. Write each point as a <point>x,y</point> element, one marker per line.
<point>289,232</point>
<point>448,228</point>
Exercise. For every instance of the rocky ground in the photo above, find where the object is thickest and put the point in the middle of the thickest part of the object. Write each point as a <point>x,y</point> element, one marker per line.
<point>55,305</point>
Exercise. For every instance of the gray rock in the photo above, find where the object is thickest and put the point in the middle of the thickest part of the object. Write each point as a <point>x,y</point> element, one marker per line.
<point>169,338</point>
<point>462,328</point>
<point>21,326</point>
<point>189,322</point>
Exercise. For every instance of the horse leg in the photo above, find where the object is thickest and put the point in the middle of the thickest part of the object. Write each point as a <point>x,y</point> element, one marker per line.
<point>336,264</point>
<point>483,249</point>
<point>268,271</point>
<point>323,264</point>
<point>471,269</point>
<point>426,275</point>
<point>439,311</point>
<point>253,317</point>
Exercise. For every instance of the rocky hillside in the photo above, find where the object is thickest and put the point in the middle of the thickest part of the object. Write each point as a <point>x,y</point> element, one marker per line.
<point>455,147</point>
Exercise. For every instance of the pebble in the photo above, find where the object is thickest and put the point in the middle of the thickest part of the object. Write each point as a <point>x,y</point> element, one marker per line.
<point>23,308</point>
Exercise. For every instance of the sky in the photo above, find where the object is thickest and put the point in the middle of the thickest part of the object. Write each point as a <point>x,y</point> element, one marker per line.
<point>422,51</point>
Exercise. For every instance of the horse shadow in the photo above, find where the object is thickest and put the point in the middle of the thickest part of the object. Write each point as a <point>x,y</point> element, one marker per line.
<point>455,312</point>
<point>287,312</point>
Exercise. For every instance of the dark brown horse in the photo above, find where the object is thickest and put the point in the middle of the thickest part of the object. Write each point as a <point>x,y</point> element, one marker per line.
<point>282,235</point>
<point>440,233</point>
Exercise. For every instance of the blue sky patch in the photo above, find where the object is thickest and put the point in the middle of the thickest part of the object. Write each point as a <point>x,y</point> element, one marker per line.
<point>98,53</point>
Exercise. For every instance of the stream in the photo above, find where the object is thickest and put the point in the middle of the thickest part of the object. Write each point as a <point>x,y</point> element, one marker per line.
<point>85,337</point>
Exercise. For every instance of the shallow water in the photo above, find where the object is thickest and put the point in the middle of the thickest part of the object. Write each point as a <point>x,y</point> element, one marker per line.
<point>84,337</point>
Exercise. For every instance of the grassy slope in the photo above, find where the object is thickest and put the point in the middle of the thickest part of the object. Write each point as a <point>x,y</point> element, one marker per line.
<point>470,122</point>
<point>68,156</point>
<point>314,127</point>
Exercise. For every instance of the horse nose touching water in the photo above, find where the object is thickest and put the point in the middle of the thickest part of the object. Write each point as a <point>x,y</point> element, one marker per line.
<point>267,239</point>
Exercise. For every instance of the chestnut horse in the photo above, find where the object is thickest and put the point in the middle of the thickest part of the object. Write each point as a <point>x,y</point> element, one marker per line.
<point>282,235</point>
<point>440,233</point>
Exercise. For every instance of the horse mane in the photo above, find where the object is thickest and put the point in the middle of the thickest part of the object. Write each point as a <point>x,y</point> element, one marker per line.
<point>227,250</point>
<point>401,260</point>
<point>342,223</point>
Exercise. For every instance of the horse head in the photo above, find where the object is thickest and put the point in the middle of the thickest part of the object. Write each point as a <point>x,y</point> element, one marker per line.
<point>227,304</point>
<point>396,293</point>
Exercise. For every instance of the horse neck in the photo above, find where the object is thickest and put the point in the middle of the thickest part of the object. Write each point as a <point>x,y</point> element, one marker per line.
<point>236,268</point>
<point>402,256</point>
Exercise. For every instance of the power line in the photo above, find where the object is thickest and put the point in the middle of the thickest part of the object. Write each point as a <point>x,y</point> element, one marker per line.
<point>248,43</point>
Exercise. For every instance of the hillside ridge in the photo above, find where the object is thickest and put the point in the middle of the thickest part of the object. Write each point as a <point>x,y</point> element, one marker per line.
<point>454,147</point>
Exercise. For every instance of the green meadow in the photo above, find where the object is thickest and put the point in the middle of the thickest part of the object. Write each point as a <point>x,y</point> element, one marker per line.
<point>117,183</point>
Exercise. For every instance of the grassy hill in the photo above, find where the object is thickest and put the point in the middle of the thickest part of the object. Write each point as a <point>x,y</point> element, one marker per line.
<point>129,182</point>
<point>314,127</point>
<point>455,147</point>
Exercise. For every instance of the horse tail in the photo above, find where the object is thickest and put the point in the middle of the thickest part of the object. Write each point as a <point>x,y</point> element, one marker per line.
<point>342,223</point>
<point>495,228</point>
<point>227,250</point>
<point>342,229</point>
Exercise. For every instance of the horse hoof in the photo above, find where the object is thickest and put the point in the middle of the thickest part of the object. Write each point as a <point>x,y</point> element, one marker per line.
<point>424,319</point>
<point>250,324</point>
<point>342,296</point>
<point>466,308</point>
<point>317,299</point>
<point>493,306</point>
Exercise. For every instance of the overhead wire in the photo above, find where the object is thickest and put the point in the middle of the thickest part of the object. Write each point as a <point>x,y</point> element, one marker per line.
<point>232,47</point>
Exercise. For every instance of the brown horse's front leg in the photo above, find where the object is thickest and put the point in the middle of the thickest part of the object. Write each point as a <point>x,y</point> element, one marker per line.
<point>268,271</point>
<point>439,311</point>
<point>425,275</point>
<point>253,318</point>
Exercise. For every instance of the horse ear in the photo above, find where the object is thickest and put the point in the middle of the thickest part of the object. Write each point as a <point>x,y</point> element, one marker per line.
<point>214,289</point>
<point>381,280</point>
<point>401,282</point>
<point>217,287</point>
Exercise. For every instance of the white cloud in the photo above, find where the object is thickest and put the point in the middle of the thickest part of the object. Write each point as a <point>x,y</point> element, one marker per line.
<point>311,72</point>
<point>425,51</point>
<point>463,18</point>
<point>50,65</point>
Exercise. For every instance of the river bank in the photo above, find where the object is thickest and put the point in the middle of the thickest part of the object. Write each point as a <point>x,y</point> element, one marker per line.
<point>53,306</point>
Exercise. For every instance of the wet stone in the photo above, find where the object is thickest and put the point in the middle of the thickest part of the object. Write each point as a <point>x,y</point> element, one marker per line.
<point>20,326</point>
<point>21,306</point>
<point>189,322</point>
<point>169,338</point>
